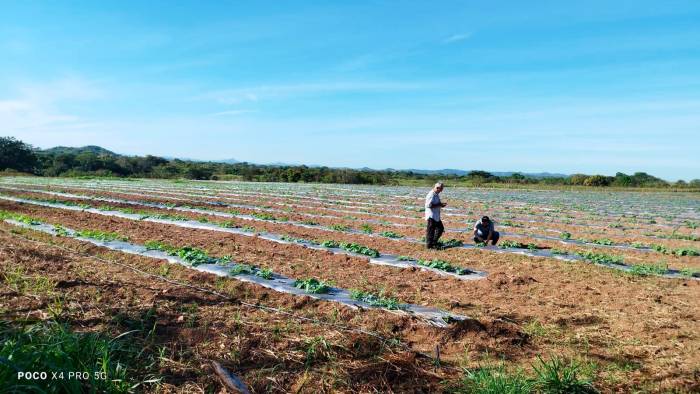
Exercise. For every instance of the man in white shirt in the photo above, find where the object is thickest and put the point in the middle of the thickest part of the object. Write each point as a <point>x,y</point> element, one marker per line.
<point>432,216</point>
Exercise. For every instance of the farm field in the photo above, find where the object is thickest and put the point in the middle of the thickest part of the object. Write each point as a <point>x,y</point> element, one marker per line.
<point>315,287</point>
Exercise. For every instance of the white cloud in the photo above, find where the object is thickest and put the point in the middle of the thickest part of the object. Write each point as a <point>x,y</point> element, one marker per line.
<point>36,107</point>
<point>263,92</point>
<point>233,112</point>
<point>456,38</point>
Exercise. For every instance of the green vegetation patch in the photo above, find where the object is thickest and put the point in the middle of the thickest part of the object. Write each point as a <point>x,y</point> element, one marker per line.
<point>391,234</point>
<point>105,236</point>
<point>352,247</point>
<point>113,365</point>
<point>313,286</point>
<point>19,218</point>
<point>191,255</point>
<point>552,376</point>
<point>377,300</point>
<point>648,269</point>
<point>443,265</point>
<point>601,258</point>
<point>340,227</point>
<point>450,243</point>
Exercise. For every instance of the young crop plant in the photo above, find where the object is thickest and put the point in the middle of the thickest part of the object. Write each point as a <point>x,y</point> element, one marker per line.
<point>60,231</point>
<point>686,252</point>
<point>101,235</point>
<point>512,244</point>
<point>367,229</point>
<point>239,269</point>
<point>559,251</point>
<point>443,265</point>
<point>263,216</point>
<point>294,239</point>
<point>450,243</point>
<point>405,258</point>
<point>390,234</point>
<point>189,254</point>
<point>377,300</point>
<point>264,273</point>
<point>639,245</point>
<point>602,241</point>
<point>195,256</point>
<point>508,223</point>
<point>313,286</point>
<point>340,227</point>
<point>690,272</point>
<point>648,269</point>
<point>565,236</point>
<point>352,247</point>
<point>229,224</point>
<point>19,218</point>
<point>601,258</point>
<point>309,223</point>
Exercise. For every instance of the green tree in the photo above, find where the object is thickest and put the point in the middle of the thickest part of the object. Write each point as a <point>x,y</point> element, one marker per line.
<point>17,155</point>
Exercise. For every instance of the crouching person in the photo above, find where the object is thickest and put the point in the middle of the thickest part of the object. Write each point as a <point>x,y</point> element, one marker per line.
<point>484,231</point>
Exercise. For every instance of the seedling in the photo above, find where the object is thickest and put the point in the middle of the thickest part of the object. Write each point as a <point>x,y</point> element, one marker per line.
<point>648,269</point>
<point>377,300</point>
<point>443,265</point>
<point>367,229</point>
<point>340,227</point>
<point>601,258</point>
<point>312,285</point>
<point>100,235</point>
<point>390,234</point>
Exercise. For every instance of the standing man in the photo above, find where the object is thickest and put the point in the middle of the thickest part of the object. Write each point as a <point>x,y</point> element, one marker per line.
<point>432,215</point>
<point>484,231</point>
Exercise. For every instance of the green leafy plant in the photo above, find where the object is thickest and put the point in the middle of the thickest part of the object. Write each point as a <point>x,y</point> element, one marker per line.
<point>60,231</point>
<point>559,251</point>
<point>351,247</point>
<point>443,265</point>
<point>340,227</point>
<point>390,234</point>
<point>450,243</point>
<point>100,235</point>
<point>264,273</point>
<point>239,269</point>
<point>601,258</point>
<point>377,300</point>
<point>312,285</point>
<point>648,269</point>
<point>263,216</point>
<point>565,235</point>
<point>367,229</point>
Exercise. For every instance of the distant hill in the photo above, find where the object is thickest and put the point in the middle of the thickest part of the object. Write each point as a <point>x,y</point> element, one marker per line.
<point>98,150</point>
<point>451,171</point>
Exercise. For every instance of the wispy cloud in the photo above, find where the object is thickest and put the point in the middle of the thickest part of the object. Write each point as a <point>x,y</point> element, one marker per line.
<point>38,106</point>
<point>252,94</point>
<point>456,38</point>
<point>233,112</point>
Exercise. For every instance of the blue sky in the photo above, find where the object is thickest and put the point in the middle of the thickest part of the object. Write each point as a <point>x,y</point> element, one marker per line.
<point>595,87</point>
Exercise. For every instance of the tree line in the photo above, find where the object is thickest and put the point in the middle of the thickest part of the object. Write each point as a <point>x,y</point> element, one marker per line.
<point>18,156</point>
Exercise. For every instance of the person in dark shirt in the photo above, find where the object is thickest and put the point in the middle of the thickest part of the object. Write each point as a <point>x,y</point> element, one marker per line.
<point>484,231</point>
